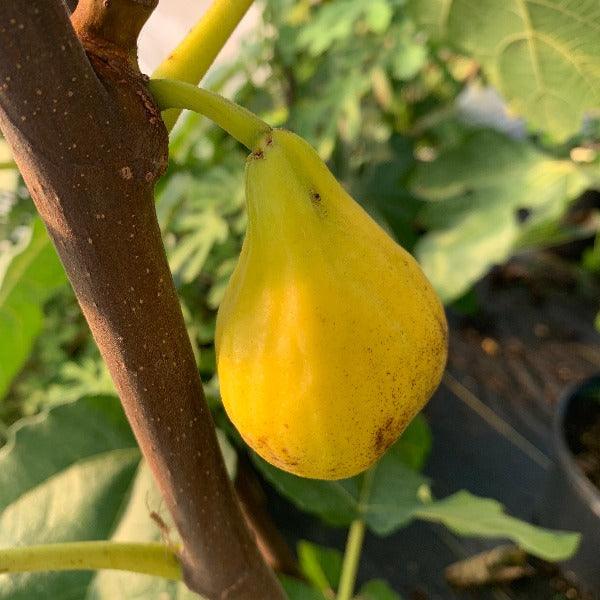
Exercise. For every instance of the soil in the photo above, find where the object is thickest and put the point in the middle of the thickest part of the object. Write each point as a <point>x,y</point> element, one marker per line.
<point>549,583</point>
<point>529,340</point>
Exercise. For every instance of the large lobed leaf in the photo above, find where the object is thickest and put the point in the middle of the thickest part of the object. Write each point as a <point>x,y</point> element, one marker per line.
<point>543,55</point>
<point>477,192</point>
<point>469,515</point>
<point>28,277</point>
<point>74,473</point>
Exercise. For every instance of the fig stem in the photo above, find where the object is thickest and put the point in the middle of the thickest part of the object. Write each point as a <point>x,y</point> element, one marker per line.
<point>354,541</point>
<point>239,122</point>
<point>194,55</point>
<point>149,559</point>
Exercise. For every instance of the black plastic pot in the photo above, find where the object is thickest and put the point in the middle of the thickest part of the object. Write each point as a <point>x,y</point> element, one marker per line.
<point>571,500</point>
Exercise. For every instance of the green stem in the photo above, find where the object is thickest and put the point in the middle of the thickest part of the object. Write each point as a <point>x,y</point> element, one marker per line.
<point>9,164</point>
<point>149,559</point>
<point>354,542</point>
<point>243,125</point>
<point>192,58</point>
<point>356,535</point>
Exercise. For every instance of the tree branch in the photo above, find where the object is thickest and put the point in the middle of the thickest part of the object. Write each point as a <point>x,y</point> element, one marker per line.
<point>71,4</point>
<point>112,23</point>
<point>253,502</point>
<point>90,145</point>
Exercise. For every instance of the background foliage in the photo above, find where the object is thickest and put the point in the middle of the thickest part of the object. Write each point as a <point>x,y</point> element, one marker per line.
<point>395,95</point>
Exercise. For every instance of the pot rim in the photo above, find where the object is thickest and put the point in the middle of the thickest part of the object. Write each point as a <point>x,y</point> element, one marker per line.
<point>583,486</point>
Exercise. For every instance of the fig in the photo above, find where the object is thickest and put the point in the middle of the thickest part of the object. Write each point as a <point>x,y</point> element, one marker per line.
<point>329,338</point>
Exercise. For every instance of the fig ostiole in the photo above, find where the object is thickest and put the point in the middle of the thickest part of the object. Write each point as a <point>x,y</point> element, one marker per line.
<point>329,338</point>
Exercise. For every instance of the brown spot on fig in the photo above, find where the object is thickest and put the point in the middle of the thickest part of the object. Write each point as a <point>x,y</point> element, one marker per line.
<point>384,436</point>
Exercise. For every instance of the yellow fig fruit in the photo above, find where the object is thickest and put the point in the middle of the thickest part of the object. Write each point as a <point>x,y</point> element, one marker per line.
<point>329,338</point>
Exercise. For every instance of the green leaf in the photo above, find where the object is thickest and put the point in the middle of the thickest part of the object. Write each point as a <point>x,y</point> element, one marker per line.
<point>205,229</point>
<point>469,515</point>
<point>393,491</point>
<point>591,256</point>
<point>377,589</point>
<point>298,590</point>
<point>74,473</point>
<point>63,477</point>
<point>333,104</point>
<point>87,428</point>
<point>378,15</point>
<point>202,213</point>
<point>543,55</point>
<point>335,21</point>
<point>414,445</point>
<point>28,277</point>
<point>476,190</point>
<point>333,501</point>
<point>408,61</point>
<point>390,495</point>
<point>393,494</point>
<point>455,258</point>
<point>321,566</point>
<point>135,523</point>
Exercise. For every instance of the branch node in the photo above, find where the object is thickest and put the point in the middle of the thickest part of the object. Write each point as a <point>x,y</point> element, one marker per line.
<point>111,27</point>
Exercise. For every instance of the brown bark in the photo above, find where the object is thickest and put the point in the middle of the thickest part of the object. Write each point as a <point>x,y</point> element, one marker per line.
<point>71,4</point>
<point>253,503</point>
<point>90,144</point>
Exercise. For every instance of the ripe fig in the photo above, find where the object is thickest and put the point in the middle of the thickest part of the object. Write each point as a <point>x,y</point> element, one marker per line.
<point>329,338</point>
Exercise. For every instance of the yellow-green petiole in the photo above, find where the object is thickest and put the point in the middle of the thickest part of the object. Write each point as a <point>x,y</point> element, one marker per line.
<point>239,122</point>
<point>150,558</point>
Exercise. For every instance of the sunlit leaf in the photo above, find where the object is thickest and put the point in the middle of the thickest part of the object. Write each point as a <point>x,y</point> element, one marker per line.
<point>469,515</point>
<point>485,195</point>
<point>335,21</point>
<point>205,229</point>
<point>28,277</point>
<point>543,55</point>
<point>203,213</point>
<point>63,477</point>
<point>74,473</point>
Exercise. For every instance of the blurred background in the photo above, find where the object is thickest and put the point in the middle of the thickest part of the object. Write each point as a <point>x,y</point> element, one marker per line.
<point>451,147</point>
